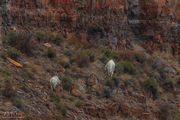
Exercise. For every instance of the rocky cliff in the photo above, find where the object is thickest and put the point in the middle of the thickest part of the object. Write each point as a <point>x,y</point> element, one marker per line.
<point>124,19</point>
<point>74,39</point>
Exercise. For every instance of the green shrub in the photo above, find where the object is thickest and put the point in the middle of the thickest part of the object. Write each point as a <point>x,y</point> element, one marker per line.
<point>126,67</point>
<point>116,82</point>
<point>109,54</point>
<point>97,93</point>
<point>6,74</point>
<point>67,83</point>
<point>19,40</point>
<point>110,83</point>
<point>146,37</point>
<point>8,90</point>
<point>129,82</point>
<point>13,53</point>
<point>178,84</point>
<point>119,68</point>
<point>139,58</point>
<point>56,39</point>
<point>49,37</point>
<point>90,54</point>
<point>62,108</point>
<point>177,115</point>
<point>10,38</point>
<point>104,59</point>
<point>168,84</point>
<point>51,53</point>
<point>41,36</point>
<point>152,86</point>
<point>17,101</point>
<point>83,59</point>
<point>93,30</point>
<point>79,103</point>
<point>54,97</point>
<point>107,92</point>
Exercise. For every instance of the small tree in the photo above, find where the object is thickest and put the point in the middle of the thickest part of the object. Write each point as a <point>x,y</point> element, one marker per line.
<point>152,86</point>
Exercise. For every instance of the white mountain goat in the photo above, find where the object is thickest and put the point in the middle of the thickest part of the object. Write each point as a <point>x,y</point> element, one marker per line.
<point>110,67</point>
<point>54,82</point>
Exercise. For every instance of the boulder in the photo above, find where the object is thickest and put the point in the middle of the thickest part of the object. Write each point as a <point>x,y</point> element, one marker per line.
<point>159,63</point>
<point>168,71</point>
<point>92,81</point>
<point>78,88</point>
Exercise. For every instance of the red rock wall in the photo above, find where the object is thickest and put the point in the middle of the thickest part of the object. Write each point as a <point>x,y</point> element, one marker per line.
<point>58,15</point>
<point>177,11</point>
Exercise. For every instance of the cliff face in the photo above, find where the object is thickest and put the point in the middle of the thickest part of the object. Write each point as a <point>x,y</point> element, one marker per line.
<point>156,18</point>
<point>140,35</point>
<point>125,19</point>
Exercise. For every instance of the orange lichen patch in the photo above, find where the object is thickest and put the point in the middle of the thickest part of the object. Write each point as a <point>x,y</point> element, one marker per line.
<point>15,63</point>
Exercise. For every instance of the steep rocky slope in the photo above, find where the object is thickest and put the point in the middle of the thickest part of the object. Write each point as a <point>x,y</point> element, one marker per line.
<point>74,39</point>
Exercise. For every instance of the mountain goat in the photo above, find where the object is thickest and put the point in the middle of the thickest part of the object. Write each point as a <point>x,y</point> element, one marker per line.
<point>54,82</point>
<point>110,67</point>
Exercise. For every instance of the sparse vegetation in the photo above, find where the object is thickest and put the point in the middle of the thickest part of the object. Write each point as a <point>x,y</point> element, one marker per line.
<point>10,38</point>
<point>125,66</point>
<point>64,61</point>
<point>128,67</point>
<point>178,84</point>
<point>93,30</point>
<point>177,115</point>
<point>49,37</point>
<point>5,74</point>
<point>166,112</point>
<point>129,82</point>
<point>41,36</point>
<point>28,116</point>
<point>107,92</point>
<point>54,97</point>
<point>126,55</point>
<point>13,53</point>
<point>139,58</point>
<point>62,108</point>
<point>90,54</point>
<point>51,53</point>
<point>116,82</point>
<point>119,68</point>
<point>109,54</point>
<point>56,39</point>
<point>168,84</point>
<point>57,101</point>
<point>152,86</point>
<point>74,41</point>
<point>83,59</point>
<point>17,101</point>
<point>79,103</point>
<point>19,40</point>
<point>110,83</point>
<point>8,90</point>
<point>67,83</point>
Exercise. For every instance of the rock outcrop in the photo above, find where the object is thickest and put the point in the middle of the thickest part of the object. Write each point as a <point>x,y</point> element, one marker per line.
<point>126,26</point>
